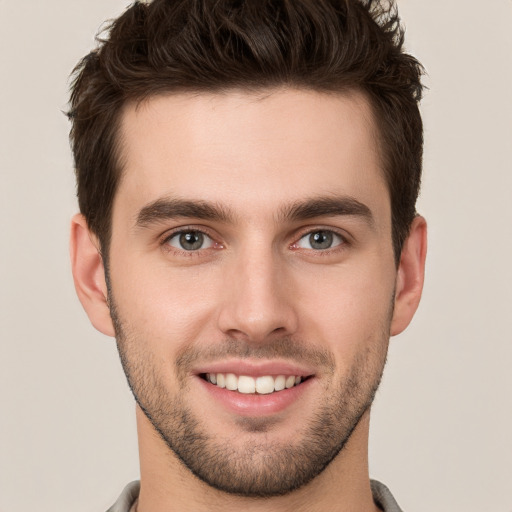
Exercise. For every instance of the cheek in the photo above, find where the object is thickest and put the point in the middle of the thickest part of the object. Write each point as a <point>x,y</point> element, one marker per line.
<point>165,307</point>
<point>348,310</point>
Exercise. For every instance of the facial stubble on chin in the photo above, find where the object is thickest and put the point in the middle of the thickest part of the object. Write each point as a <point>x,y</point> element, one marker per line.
<point>259,467</point>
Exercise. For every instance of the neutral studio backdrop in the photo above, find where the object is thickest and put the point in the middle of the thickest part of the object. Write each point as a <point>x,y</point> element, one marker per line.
<point>442,422</point>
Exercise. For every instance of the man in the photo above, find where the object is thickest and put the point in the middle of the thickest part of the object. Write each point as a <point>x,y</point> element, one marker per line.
<point>247,177</point>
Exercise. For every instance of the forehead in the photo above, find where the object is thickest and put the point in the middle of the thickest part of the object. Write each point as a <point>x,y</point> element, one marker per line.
<point>250,150</point>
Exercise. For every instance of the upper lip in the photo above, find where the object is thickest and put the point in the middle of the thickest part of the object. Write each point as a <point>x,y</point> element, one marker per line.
<point>255,368</point>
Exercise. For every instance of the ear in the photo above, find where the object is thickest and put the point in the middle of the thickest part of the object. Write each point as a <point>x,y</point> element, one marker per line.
<point>89,275</point>
<point>410,276</point>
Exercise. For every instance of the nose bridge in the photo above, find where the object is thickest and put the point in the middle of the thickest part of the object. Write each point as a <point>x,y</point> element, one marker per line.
<point>259,300</point>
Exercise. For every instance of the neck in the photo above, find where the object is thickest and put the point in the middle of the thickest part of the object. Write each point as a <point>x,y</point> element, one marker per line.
<point>166,484</point>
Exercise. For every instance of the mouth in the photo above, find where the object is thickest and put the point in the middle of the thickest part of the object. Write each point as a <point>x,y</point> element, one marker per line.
<point>254,385</point>
<point>252,388</point>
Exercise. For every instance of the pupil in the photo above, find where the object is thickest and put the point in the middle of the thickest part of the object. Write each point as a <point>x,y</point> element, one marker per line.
<point>191,240</point>
<point>320,240</point>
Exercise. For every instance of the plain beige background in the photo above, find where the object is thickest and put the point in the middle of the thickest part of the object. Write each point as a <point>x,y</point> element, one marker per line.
<point>442,423</point>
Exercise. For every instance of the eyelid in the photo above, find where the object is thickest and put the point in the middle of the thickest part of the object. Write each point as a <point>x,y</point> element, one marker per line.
<point>305,231</point>
<point>171,233</point>
<point>176,237</point>
<point>345,238</point>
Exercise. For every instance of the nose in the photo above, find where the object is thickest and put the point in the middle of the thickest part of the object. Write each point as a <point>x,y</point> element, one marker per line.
<point>258,299</point>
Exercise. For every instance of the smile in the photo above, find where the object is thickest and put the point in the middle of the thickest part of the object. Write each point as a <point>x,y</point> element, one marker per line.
<point>263,385</point>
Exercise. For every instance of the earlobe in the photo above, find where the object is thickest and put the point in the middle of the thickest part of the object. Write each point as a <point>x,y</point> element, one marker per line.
<point>410,276</point>
<point>89,275</point>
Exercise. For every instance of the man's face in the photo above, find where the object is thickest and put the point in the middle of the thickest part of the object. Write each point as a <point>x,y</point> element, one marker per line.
<point>251,247</point>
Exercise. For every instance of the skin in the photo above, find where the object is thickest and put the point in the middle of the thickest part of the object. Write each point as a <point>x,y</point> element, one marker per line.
<point>258,282</point>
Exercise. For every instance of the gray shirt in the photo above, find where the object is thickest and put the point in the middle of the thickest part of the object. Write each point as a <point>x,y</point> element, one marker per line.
<point>381,495</point>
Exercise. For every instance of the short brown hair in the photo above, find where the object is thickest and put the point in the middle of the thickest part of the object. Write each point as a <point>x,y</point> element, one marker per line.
<point>215,45</point>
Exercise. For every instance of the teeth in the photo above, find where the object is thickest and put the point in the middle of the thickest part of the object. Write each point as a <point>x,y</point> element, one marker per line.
<point>231,381</point>
<point>246,384</point>
<point>280,383</point>
<point>221,380</point>
<point>263,385</point>
<point>290,382</point>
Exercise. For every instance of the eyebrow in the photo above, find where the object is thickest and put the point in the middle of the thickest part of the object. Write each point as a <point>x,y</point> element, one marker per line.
<point>329,206</point>
<point>171,208</point>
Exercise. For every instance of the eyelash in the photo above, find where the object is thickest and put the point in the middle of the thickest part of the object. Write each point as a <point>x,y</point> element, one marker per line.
<point>342,246</point>
<point>165,239</point>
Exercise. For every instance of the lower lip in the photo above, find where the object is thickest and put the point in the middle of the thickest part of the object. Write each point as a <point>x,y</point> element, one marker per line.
<point>253,404</point>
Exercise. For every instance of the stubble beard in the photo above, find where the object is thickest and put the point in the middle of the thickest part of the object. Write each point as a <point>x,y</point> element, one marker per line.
<point>261,467</point>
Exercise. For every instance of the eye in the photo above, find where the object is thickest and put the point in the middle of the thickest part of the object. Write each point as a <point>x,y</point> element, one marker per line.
<point>190,240</point>
<point>320,240</point>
